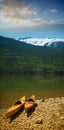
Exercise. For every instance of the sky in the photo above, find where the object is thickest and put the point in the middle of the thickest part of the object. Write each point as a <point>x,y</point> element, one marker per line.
<point>35,18</point>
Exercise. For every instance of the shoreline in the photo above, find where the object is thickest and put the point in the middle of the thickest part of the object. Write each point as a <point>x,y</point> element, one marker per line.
<point>48,115</point>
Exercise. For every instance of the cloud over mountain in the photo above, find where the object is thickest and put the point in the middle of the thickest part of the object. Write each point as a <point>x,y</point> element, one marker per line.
<point>54,42</point>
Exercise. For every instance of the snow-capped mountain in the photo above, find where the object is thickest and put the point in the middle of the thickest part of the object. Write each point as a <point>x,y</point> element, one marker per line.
<point>56,42</point>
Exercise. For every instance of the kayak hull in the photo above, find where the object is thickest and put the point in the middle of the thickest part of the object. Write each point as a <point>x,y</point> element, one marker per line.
<point>30,103</point>
<point>15,108</point>
<point>28,106</point>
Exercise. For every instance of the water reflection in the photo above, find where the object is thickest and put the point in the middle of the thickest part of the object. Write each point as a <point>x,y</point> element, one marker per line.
<point>13,87</point>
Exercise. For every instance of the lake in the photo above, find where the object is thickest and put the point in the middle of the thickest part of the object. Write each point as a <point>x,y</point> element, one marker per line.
<point>13,87</point>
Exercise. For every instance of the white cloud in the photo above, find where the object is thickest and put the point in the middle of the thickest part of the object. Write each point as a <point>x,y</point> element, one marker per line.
<point>34,22</point>
<point>48,11</point>
<point>17,9</point>
<point>15,13</point>
<point>56,21</point>
<point>21,22</point>
<point>54,11</point>
<point>26,22</point>
<point>19,17</point>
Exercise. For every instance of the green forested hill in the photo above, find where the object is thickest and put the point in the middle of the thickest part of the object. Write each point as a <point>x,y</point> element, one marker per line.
<point>19,57</point>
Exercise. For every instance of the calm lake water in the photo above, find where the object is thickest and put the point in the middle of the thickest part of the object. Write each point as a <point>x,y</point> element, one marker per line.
<point>13,87</point>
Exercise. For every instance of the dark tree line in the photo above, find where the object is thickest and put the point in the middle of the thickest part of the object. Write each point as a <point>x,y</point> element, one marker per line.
<point>19,57</point>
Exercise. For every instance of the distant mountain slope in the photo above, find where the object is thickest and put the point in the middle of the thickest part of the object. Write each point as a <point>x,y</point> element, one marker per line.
<point>44,42</point>
<point>19,57</point>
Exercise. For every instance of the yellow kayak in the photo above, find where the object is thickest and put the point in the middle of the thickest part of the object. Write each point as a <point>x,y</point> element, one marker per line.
<point>16,107</point>
<point>30,103</point>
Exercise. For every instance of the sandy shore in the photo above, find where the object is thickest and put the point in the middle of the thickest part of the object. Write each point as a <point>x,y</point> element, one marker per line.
<point>48,115</point>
